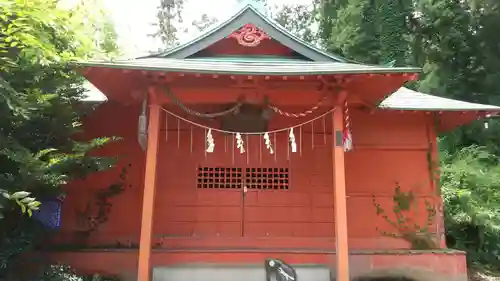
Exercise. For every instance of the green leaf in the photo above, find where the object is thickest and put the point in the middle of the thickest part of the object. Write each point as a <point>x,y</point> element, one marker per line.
<point>27,200</point>
<point>45,152</point>
<point>33,205</point>
<point>20,195</point>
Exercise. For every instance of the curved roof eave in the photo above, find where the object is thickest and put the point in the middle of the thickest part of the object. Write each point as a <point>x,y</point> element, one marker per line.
<point>406,99</point>
<point>403,99</point>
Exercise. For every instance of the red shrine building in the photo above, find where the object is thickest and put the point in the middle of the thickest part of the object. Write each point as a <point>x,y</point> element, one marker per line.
<point>248,143</point>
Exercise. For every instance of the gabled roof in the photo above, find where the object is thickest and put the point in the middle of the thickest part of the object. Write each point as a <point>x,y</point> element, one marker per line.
<point>249,15</point>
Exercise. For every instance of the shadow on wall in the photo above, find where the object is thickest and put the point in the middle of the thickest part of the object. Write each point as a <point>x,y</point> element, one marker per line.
<point>392,278</point>
<point>402,274</point>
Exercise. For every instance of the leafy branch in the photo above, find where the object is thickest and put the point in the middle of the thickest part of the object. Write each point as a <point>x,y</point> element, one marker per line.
<point>97,212</point>
<point>404,203</point>
<point>27,204</point>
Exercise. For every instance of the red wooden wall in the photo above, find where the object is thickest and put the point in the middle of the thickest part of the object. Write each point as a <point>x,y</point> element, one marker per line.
<point>389,147</point>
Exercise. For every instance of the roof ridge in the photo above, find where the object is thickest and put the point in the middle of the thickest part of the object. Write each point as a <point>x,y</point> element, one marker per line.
<point>272,23</point>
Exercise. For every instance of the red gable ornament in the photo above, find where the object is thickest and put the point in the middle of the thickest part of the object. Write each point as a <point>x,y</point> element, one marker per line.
<point>249,35</point>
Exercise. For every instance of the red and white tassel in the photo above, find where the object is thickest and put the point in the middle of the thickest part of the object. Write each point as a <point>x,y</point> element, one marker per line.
<point>210,142</point>
<point>268,144</point>
<point>347,136</point>
<point>239,143</point>
<point>291,139</point>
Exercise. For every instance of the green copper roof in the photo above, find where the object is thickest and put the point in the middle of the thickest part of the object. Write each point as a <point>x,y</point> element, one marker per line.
<point>248,68</point>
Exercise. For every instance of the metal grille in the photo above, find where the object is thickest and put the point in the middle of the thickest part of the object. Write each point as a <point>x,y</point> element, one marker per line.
<point>220,177</point>
<point>267,178</point>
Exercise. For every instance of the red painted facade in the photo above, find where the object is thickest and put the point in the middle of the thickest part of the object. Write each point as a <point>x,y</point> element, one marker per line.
<point>387,151</point>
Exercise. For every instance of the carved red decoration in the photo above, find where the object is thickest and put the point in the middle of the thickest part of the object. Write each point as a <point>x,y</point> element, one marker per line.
<point>249,35</point>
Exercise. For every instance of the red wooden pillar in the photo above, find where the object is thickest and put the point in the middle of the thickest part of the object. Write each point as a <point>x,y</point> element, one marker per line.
<point>144,268</point>
<point>340,204</point>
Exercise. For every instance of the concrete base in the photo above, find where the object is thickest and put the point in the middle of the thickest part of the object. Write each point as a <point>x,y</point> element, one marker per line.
<point>219,272</point>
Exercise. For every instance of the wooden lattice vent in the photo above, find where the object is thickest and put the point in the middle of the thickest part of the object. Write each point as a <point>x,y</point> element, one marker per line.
<point>236,178</point>
<point>220,178</point>
<point>267,178</point>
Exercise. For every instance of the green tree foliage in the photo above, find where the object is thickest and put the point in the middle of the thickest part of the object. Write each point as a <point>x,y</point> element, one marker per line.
<point>168,16</point>
<point>351,32</point>
<point>298,19</point>
<point>393,29</point>
<point>40,109</point>
<point>370,31</point>
<point>464,63</point>
<point>66,273</point>
<point>471,191</point>
<point>99,27</point>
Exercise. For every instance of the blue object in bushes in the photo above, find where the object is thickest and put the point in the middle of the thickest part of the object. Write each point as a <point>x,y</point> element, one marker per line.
<point>49,213</point>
